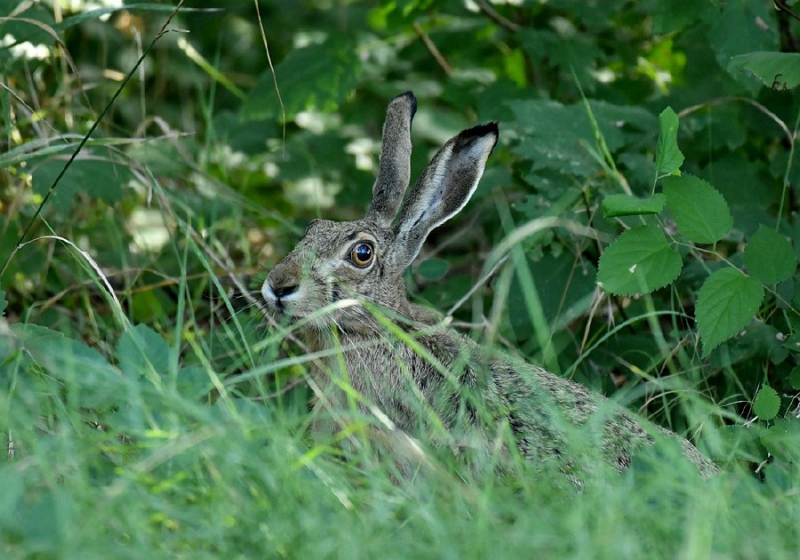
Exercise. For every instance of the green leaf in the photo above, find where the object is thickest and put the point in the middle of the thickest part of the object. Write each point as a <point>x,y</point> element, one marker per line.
<point>318,76</point>
<point>141,352</point>
<point>775,70</point>
<point>561,137</point>
<point>668,156</point>
<point>625,205</point>
<point>638,261</point>
<point>726,303</point>
<point>794,378</point>
<point>82,370</point>
<point>739,28</point>
<point>769,256</point>
<point>3,303</point>
<point>96,178</point>
<point>433,269</point>
<point>698,208</point>
<point>767,403</point>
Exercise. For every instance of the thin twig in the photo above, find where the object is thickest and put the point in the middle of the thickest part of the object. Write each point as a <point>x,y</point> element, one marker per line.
<point>433,49</point>
<point>496,17</point>
<point>781,5</point>
<point>756,104</point>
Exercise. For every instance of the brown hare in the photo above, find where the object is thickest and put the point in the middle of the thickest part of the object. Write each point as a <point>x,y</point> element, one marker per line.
<point>344,283</point>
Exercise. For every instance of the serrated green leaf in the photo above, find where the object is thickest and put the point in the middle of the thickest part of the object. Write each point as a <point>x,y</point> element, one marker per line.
<point>794,378</point>
<point>638,261</point>
<point>318,76</point>
<point>698,208</point>
<point>561,137</point>
<point>668,156</point>
<point>142,352</point>
<point>101,179</point>
<point>624,205</point>
<point>767,403</point>
<point>82,370</point>
<point>433,269</point>
<point>775,70</point>
<point>769,256</point>
<point>726,303</point>
<point>3,303</point>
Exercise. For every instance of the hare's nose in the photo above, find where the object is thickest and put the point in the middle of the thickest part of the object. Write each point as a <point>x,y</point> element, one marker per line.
<point>283,291</point>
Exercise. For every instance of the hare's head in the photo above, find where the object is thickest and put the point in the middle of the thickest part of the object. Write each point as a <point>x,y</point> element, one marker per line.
<point>364,259</point>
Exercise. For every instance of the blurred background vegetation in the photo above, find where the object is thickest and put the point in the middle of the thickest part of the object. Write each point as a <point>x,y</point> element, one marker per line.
<point>244,121</point>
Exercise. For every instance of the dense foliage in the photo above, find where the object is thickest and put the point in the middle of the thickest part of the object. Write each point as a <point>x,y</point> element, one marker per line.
<point>637,229</point>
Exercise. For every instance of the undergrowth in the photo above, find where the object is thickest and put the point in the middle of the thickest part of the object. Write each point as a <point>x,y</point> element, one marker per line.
<point>150,408</point>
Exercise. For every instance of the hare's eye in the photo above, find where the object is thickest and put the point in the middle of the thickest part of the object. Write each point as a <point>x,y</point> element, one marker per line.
<point>362,254</point>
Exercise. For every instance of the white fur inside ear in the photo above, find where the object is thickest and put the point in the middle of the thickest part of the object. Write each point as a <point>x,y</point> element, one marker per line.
<point>439,178</point>
<point>472,159</point>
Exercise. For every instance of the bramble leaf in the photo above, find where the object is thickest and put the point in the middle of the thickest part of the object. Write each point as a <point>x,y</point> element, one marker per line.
<point>624,205</point>
<point>774,69</point>
<point>101,179</point>
<point>769,256</point>
<point>638,261</point>
<point>698,208</point>
<point>668,156</point>
<point>767,403</point>
<point>318,76</point>
<point>726,303</point>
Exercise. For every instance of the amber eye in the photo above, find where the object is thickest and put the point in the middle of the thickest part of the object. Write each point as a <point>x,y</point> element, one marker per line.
<point>362,254</point>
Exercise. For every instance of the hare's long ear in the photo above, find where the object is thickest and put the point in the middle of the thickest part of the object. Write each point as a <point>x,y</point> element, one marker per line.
<point>445,187</point>
<point>395,164</point>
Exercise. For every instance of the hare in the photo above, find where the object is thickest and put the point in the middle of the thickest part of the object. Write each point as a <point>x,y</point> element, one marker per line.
<point>344,284</point>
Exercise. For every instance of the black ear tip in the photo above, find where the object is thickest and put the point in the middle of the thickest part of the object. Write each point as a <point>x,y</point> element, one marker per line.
<point>485,129</point>
<point>412,101</point>
<point>480,131</point>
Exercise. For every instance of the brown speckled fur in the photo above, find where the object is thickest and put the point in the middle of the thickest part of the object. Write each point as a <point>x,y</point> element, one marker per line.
<point>442,379</point>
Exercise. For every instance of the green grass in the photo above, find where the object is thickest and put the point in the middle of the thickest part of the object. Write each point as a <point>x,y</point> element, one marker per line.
<point>160,456</point>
